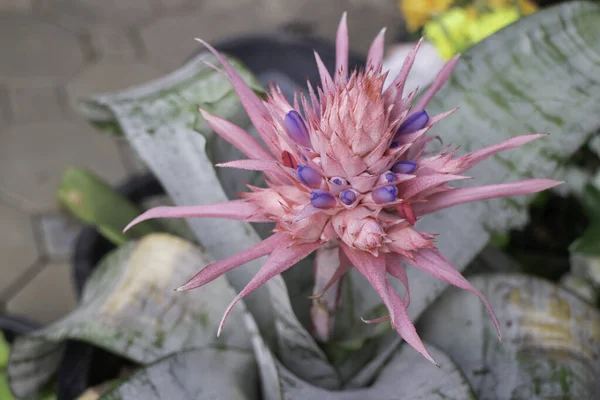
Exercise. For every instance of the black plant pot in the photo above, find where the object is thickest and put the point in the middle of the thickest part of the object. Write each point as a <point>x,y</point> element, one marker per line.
<point>12,326</point>
<point>282,58</point>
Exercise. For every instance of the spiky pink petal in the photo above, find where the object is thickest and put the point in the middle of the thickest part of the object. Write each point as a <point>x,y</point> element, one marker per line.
<point>240,210</point>
<point>327,263</point>
<point>372,268</point>
<point>236,136</point>
<point>375,55</point>
<point>420,183</point>
<point>402,323</point>
<point>395,90</point>
<point>343,267</point>
<point>326,80</point>
<point>439,81</point>
<point>406,240</point>
<point>307,212</point>
<point>214,270</point>
<point>433,263</point>
<point>255,108</point>
<point>375,320</point>
<point>479,155</point>
<point>396,269</point>
<point>469,194</point>
<point>341,50</point>
<point>280,259</point>
<point>253,165</point>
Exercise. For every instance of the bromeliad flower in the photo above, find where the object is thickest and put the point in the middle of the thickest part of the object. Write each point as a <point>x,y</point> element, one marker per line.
<point>348,177</point>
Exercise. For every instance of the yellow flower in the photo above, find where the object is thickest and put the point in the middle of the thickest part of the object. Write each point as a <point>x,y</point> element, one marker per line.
<point>458,29</point>
<point>472,13</point>
<point>450,32</point>
<point>490,23</point>
<point>526,7</point>
<point>418,12</point>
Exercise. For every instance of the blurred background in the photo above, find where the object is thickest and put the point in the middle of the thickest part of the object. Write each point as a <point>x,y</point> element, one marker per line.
<point>53,52</point>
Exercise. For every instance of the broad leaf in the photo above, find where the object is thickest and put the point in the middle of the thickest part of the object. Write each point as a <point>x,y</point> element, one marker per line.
<point>550,346</point>
<point>540,74</point>
<point>407,376</point>
<point>161,122</point>
<point>95,202</point>
<point>129,307</point>
<point>219,374</point>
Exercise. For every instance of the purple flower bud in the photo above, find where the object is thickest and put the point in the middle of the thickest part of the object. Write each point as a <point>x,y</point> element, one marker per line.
<point>385,194</point>
<point>338,181</point>
<point>413,123</point>
<point>322,199</point>
<point>295,127</point>
<point>348,197</point>
<point>309,176</point>
<point>404,167</point>
<point>389,177</point>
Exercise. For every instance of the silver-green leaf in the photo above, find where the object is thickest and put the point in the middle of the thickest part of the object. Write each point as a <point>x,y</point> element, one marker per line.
<point>540,74</point>
<point>129,307</point>
<point>216,374</point>
<point>407,376</point>
<point>550,346</point>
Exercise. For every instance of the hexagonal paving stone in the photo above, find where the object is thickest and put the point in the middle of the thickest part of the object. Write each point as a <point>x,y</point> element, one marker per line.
<point>169,40</point>
<point>34,48</point>
<point>4,107</point>
<point>33,158</point>
<point>58,234</point>
<point>47,297</point>
<point>17,245</point>
<point>175,4</point>
<point>115,44</point>
<point>16,5</point>
<point>81,14</point>
<point>107,77</point>
<point>36,103</point>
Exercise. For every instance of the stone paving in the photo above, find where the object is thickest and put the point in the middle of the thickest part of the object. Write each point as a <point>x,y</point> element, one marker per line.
<point>54,51</point>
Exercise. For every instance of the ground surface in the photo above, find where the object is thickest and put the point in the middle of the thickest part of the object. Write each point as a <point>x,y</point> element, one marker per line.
<point>52,52</point>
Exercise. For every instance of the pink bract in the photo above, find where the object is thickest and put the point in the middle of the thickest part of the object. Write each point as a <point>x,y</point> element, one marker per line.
<point>347,177</point>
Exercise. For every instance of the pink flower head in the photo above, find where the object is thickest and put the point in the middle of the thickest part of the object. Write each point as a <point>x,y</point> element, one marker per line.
<point>347,177</point>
